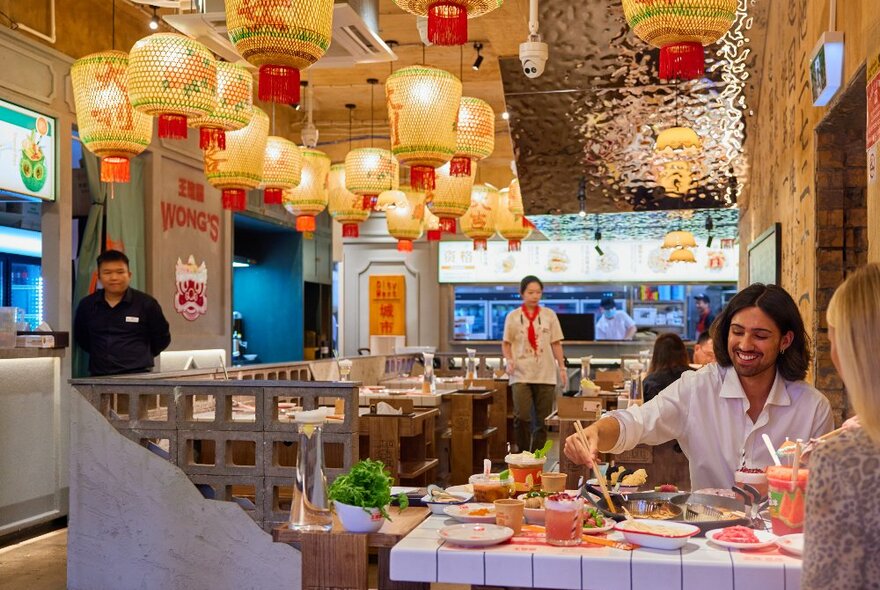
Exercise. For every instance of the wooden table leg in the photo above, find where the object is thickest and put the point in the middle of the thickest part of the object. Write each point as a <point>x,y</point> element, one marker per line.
<point>385,581</point>
<point>336,560</point>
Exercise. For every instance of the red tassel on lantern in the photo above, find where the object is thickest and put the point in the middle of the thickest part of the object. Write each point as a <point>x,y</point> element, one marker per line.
<point>172,126</point>
<point>115,169</point>
<point>350,230</point>
<point>682,61</point>
<point>447,23</point>
<point>234,199</point>
<point>514,245</point>
<point>404,246</point>
<point>212,138</point>
<point>480,245</point>
<point>369,202</point>
<point>434,235</point>
<point>279,84</point>
<point>273,196</point>
<point>447,225</point>
<point>422,178</point>
<point>305,223</point>
<point>460,166</point>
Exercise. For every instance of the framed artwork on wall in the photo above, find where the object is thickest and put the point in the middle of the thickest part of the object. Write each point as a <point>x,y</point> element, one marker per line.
<point>765,257</point>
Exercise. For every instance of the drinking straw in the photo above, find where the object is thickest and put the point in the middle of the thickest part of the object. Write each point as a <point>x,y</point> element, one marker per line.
<point>487,466</point>
<point>797,460</point>
<point>770,448</point>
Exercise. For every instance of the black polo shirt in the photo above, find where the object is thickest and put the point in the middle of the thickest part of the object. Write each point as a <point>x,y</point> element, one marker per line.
<point>121,339</point>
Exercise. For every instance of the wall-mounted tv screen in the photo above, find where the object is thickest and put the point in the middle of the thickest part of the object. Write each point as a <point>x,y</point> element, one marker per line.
<point>27,153</point>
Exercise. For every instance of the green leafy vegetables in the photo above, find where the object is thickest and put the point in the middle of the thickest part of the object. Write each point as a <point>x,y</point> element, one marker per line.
<point>367,485</point>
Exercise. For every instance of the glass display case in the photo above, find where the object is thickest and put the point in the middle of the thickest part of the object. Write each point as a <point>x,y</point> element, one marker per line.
<point>21,286</point>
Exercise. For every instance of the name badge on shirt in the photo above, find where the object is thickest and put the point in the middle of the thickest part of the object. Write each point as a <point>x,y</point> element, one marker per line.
<point>130,319</point>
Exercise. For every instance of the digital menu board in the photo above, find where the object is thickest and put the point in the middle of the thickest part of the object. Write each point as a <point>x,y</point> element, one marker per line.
<point>27,152</point>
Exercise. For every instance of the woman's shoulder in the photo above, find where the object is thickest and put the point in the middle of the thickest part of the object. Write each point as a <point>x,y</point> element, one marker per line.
<point>848,454</point>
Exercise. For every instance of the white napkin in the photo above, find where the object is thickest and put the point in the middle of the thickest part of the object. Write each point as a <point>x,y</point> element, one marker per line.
<point>387,409</point>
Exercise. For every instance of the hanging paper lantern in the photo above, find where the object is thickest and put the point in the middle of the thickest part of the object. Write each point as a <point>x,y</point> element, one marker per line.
<point>369,171</point>
<point>108,125</point>
<point>432,226</point>
<point>674,140</point>
<point>282,168</point>
<point>679,239</point>
<point>423,108</point>
<point>515,200</point>
<point>345,206</point>
<point>281,37</point>
<point>239,167</point>
<point>682,255</point>
<point>311,196</point>
<point>511,227</point>
<point>235,89</point>
<point>476,135</point>
<point>173,77</point>
<point>480,221</point>
<point>388,200</point>
<point>452,197</point>
<point>447,19</point>
<point>406,222</point>
<point>680,28</point>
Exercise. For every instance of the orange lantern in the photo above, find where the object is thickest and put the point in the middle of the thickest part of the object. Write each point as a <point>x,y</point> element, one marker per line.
<point>108,125</point>
<point>281,37</point>
<point>369,172</point>
<point>447,19</point>
<point>239,167</point>
<point>233,111</point>
<point>480,221</point>
<point>173,77</point>
<point>476,134</point>
<point>452,197</point>
<point>423,105</point>
<point>406,222</point>
<point>308,199</point>
<point>345,206</point>
<point>511,226</point>
<point>282,169</point>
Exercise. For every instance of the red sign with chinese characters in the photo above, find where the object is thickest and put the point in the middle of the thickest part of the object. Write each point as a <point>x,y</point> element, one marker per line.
<point>387,305</point>
<point>175,214</point>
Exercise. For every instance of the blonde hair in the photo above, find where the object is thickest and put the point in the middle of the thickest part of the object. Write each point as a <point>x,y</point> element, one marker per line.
<point>854,313</point>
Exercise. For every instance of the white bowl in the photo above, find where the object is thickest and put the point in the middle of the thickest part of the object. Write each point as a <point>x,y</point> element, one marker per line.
<point>250,357</point>
<point>355,519</point>
<point>678,537</point>
<point>438,507</point>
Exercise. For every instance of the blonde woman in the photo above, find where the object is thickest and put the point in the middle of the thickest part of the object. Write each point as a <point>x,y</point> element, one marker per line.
<point>842,530</point>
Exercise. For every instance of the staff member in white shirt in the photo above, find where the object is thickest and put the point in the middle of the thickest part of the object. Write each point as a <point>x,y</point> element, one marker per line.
<point>614,324</point>
<point>532,341</point>
<point>719,413</point>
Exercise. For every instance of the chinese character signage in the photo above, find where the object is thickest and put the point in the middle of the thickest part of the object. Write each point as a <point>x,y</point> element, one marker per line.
<point>27,152</point>
<point>387,305</point>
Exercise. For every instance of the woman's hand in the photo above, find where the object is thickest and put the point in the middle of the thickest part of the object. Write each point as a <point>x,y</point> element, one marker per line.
<point>577,452</point>
<point>563,377</point>
<point>511,366</point>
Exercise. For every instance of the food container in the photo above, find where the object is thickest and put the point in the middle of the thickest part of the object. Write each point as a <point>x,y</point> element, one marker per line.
<point>488,488</point>
<point>787,499</point>
<point>657,535</point>
<point>757,478</point>
<point>526,470</point>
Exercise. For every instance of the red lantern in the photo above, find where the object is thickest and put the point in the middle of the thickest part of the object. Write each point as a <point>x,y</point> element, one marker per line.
<point>447,19</point>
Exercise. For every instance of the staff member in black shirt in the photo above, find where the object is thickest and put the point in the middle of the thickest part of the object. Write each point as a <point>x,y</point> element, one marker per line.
<point>121,328</point>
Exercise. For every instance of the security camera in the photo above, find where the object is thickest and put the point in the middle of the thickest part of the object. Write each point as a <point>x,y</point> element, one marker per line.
<point>533,54</point>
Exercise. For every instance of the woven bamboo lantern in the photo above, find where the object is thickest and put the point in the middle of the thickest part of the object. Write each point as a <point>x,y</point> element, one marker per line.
<point>452,197</point>
<point>235,89</point>
<point>423,108</point>
<point>406,222</point>
<point>515,200</point>
<point>308,199</point>
<point>239,167</point>
<point>480,221</point>
<point>511,226</point>
<point>345,206</point>
<point>282,169</point>
<point>281,37</point>
<point>432,226</point>
<point>369,172</point>
<point>108,125</point>
<point>447,19</point>
<point>174,78</point>
<point>476,135</point>
<point>389,199</point>
<point>680,28</point>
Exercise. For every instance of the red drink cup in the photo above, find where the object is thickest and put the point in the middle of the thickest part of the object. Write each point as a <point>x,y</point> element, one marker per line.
<point>787,499</point>
<point>526,470</point>
<point>563,520</point>
<point>756,478</point>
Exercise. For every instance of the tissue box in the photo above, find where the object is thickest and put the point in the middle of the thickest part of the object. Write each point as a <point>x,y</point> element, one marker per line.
<point>42,340</point>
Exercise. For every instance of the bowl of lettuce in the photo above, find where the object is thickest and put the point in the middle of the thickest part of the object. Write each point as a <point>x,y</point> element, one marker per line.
<point>361,497</point>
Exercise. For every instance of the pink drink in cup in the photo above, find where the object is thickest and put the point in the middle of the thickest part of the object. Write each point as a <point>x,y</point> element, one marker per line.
<point>563,520</point>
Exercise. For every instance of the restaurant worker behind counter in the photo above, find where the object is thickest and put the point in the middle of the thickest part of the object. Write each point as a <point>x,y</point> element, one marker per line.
<point>121,328</point>
<point>532,341</point>
<point>719,413</point>
<point>614,324</point>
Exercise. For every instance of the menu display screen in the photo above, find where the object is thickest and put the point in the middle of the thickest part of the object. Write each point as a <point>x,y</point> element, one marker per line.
<point>27,152</point>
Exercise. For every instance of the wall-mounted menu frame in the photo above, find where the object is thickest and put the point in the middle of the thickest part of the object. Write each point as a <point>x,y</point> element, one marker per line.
<point>765,257</point>
<point>28,153</point>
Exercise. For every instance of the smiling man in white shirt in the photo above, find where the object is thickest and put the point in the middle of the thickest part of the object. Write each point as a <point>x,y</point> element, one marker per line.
<point>719,413</point>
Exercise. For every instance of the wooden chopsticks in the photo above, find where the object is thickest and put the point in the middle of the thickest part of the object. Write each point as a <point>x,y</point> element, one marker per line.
<point>599,477</point>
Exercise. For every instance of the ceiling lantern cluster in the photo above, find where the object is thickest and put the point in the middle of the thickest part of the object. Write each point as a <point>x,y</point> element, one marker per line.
<point>239,167</point>
<point>345,206</point>
<point>476,135</point>
<point>282,169</point>
<point>479,222</point>
<point>451,198</point>
<point>680,242</point>
<point>448,19</point>
<point>235,89</point>
<point>311,196</point>
<point>369,172</point>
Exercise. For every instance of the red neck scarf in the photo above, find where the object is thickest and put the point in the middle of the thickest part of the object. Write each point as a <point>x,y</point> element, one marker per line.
<point>533,336</point>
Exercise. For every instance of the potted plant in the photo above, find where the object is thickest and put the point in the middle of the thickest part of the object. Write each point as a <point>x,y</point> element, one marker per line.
<point>362,496</point>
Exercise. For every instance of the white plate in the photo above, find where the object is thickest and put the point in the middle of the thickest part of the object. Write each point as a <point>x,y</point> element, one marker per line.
<point>461,512</point>
<point>462,489</point>
<point>439,507</point>
<point>475,535</point>
<point>765,538</point>
<point>609,524</point>
<point>793,544</point>
<point>534,515</point>
<point>682,532</point>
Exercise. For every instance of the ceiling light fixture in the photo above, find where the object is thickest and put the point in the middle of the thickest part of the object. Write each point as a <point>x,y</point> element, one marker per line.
<point>478,47</point>
<point>154,21</point>
<point>505,115</point>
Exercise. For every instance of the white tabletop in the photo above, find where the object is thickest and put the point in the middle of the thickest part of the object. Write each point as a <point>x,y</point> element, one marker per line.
<point>422,557</point>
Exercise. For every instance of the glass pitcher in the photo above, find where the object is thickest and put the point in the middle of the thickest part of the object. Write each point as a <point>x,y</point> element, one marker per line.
<point>429,383</point>
<point>470,367</point>
<point>310,508</point>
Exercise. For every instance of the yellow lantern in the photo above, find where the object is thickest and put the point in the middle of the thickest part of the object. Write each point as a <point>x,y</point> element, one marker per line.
<point>432,226</point>
<point>447,19</point>
<point>679,239</point>
<point>511,227</point>
<point>406,222</point>
<point>239,167</point>
<point>476,135</point>
<point>173,77</point>
<point>235,89</point>
<point>311,196</point>
<point>674,139</point>
<point>108,125</point>
<point>388,200</point>
<point>515,200</point>
<point>480,221</point>
<point>281,37</point>
<point>682,255</point>
<point>452,197</point>
<point>423,105</point>
<point>345,206</point>
<point>282,169</point>
<point>369,172</point>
